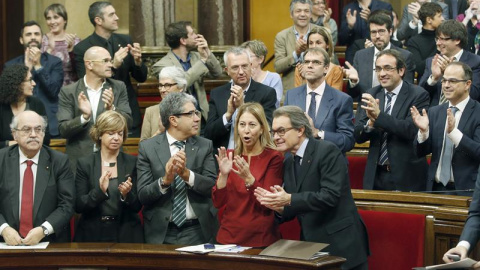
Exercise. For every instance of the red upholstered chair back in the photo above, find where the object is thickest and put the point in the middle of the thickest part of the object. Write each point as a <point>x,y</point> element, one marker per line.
<point>396,240</point>
<point>356,170</point>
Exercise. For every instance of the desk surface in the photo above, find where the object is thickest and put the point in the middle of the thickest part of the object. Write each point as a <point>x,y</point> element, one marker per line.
<point>145,256</point>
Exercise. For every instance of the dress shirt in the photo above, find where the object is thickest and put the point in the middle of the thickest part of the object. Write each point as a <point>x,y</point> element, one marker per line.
<point>396,91</point>
<point>456,135</point>
<point>301,150</point>
<point>457,56</point>
<point>318,98</point>
<point>191,179</point>
<point>94,95</point>
<point>23,166</point>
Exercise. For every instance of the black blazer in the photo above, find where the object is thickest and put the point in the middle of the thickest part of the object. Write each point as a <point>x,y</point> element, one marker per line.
<point>54,191</point>
<point>215,130</point>
<point>323,203</point>
<point>6,116</point>
<point>408,171</point>
<point>90,198</point>
<point>466,156</point>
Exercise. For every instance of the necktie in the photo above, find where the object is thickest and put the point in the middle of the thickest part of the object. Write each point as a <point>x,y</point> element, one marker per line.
<point>384,150</point>
<point>375,81</point>
<point>446,162</point>
<point>296,167</point>
<point>26,215</point>
<point>312,110</point>
<point>179,213</point>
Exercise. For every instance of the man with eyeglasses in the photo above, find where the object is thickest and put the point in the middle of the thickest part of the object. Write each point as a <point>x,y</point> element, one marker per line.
<point>316,190</point>
<point>226,99</point>
<point>126,55</point>
<point>451,133</point>
<point>451,38</point>
<point>82,102</point>
<point>329,111</point>
<point>384,119</point>
<point>183,40</point>
<point>46,70</point>
<point>176,173</point>
<point>362,77</point>
<point>37,200</point>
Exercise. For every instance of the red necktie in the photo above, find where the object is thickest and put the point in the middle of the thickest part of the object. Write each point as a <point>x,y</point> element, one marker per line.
<point>26,216</point>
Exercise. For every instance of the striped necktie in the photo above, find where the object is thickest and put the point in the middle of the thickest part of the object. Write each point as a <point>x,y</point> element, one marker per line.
<point>179,213</point>
<point>383,150</point>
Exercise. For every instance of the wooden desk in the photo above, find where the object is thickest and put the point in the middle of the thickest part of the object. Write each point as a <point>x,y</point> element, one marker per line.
<point>144,256</point>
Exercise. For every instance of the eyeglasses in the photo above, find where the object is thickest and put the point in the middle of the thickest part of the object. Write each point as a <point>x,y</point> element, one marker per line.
<point>381,32</point>
<point>167,86</point>
<point>314,63</point>
<point>437,39</point>
<point>281,131</point>
<point>189,114</point>
<point>385,68</point>
<point>25,131</point>
<point>237,68</point>
<point>452,81</point>
<point>104,61</point>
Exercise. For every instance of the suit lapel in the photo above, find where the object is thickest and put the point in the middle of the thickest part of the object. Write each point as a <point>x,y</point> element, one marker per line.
<point>163,149</point>
<point>381,97</point>
<point>442,119</point>
<point>41,180</point>
<point>466,114</point>
<point>301,98</point>
<point>401,98</point>
<point>324,108</point>
<point>369,66</point>
<point>306,162</point>
<point>250,95</point>
<point>191,149</point>
<point>13,165</point>
<point>97,169</point>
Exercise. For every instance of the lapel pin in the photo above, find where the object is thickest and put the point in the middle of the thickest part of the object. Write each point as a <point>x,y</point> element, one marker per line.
<point>47,168</point>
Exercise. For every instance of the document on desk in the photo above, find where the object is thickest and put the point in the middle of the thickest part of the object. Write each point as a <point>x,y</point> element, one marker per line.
<point>295,249</point>
<point>200,249</point>
<point>41,245</point>
<point>463,264</point>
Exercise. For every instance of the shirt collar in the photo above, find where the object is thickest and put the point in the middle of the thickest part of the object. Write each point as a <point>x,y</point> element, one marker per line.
<point>319,90</point>
<point>180,59</point>
<point>461,105</point>
<point>301,151</point>
<point>458,55</point>
<point>297,35</point>
<point>396,90</point>
<point>24,158</point>
<point>386,48</point>
<point>90,88</point>
<point>170,139</point>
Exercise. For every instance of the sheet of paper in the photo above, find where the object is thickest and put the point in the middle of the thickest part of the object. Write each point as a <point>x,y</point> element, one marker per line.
<point>41,245</point>
<point>201,249</point>
<point>465,263</point>
<point>293,249</point>
<point>235,249</point>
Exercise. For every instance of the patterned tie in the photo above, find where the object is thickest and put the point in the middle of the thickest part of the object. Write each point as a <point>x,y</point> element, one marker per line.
<point>383,150</point>
<point>26,215</point>
<point>446,162</point>
<point>312,112</point>
<point>179,213</point>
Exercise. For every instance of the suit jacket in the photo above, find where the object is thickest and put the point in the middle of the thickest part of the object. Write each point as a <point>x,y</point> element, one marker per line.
<point>153,155</point>
<point>6,116</point>
<point>49,80</point>
<point>466,155</point>
<point>90,201</point>
<point>150,122</point>
<point>359,44</point>
<point>127,69</point>
<point>363,63</point>
<point>404,32</point>
<point>54,191</point>
<point>284,47</point>
<point>323,203</point>
<point>195,75</point>
<point>334,115</point>
<point>215,130</point>
<point>79,143</point>
<point>462,5</point>
<point>408,171</point>
<point>472,60</point>
<point>471,230</point>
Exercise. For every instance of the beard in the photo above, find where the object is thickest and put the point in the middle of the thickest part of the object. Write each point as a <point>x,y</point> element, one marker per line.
<point>32,43</point>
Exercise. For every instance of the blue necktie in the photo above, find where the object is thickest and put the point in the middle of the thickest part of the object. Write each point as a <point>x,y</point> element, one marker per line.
<point>384,150</point>
<point>312,110</point>
<point>179,213</point>
<point>446,162</point>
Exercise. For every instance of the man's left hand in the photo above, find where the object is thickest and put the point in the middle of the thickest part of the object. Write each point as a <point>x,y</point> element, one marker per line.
<point>450,121</point>
<point>108,98</point>
<point>202,46</point>
<point>136,52</point>
<point>274,199</point>
<point>370,105</point>
<point>34,236</point>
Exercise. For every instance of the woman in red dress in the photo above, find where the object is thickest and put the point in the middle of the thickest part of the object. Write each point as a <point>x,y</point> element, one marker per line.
<point>254,163</point>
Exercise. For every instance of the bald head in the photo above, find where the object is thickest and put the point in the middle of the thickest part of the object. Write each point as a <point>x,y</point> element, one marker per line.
<point>93,53</point>
<point>98,63</point>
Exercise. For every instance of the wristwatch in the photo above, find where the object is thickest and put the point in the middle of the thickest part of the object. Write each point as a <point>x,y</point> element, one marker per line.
<point>45,230</point>
<point>162,184</point>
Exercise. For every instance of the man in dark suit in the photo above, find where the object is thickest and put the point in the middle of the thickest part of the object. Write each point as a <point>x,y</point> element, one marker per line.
<point>176,173</point>
<point>80,103</point>
<point>451,39</point>
<point>330,111</point>
<point>384,120</point>
<point>455,156</point>
<point>380,25</point>
<point>36,187</point>
<point>461,6</point>
<point>226,99</point>
<point>316,191</point>
<point>126,55</point>
<point>46,69</point>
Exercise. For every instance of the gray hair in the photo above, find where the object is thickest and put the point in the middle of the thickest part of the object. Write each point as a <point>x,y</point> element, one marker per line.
<point>297,118</point>
<point>14,123</point>
<point>293,2</point>
<point>235,51</point>
<point>173,104</point>
<point>175,73</point>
